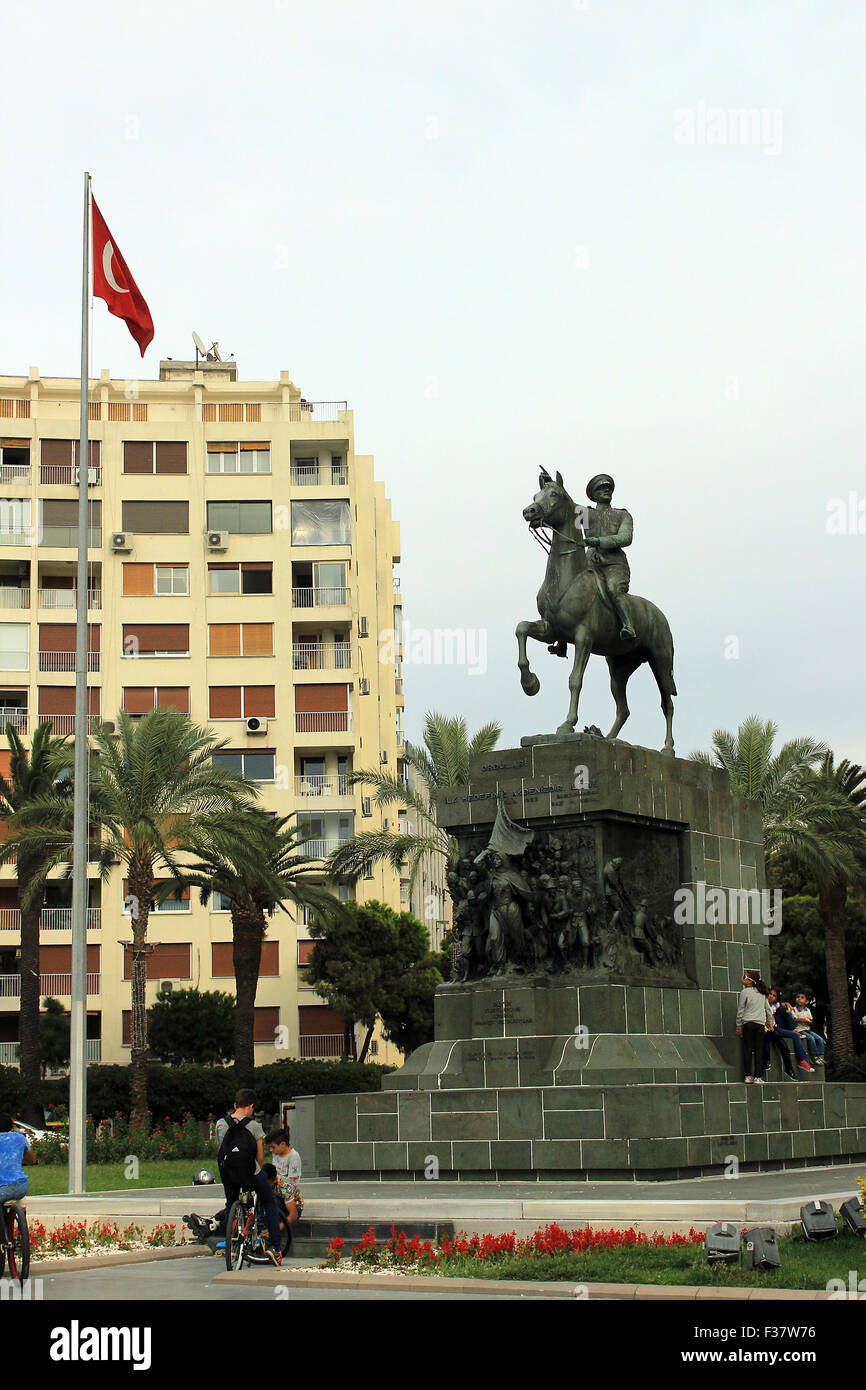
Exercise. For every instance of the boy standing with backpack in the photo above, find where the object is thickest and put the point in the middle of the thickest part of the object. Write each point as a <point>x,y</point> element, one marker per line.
<point>239,1160</point>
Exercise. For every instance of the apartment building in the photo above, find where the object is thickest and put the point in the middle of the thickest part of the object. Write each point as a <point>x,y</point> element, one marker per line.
<point>241,569</point>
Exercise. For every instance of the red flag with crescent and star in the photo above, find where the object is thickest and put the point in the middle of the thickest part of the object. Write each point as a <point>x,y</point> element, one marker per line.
<point>113,283</point>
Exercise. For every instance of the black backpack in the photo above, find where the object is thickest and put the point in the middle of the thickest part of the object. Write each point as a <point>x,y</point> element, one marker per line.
<point>237,1155</point>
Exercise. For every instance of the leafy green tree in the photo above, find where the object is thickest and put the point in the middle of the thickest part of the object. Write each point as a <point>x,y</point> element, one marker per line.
<point>258,866</point>
<point>34,777</point>
<point>443,761</point>
<point>813,815</point>
<point>190,1025</point>
<point>152,785</point>
<point>375,962</point>
<point>53,1036</point>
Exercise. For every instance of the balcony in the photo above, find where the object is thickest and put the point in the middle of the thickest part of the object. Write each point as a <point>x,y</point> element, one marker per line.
<point>14,596</point>
<point>319,597</point>
<point>321,656</point>
<point>49,984</point>
<point>66,475</point>
<point>320,849</point>
<point>51,919</point>
<point>65,537</point>
<point>318,1045</point>
<point>320,475</point>
<point>66,598</point>
<point>64,724</point>
<point>337,721</point>
<point>16,536</point>
<point>15,473</point>
<point>316,412</point>
<point>320,784</point>
<point>65,661</point>
<point>18,718</point>
<point>9,1052</point>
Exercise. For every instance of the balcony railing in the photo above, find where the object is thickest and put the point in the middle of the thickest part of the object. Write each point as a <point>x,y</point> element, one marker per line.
<point>320,475</point>
<point>51,918</point>
<point>320,656</point>
<point>322,1045</point>
<point>316,721</point>
<point>320,849</point>
<point>65,661</point>
<point>320,784</point>
<point>16,717</point>
<point>318,412</point>
<point>15,473</point>
<point>66,598</point>
<point>16,535</point>
<point>64,536</point>
<point>49,984</point>
<point>64,724</point>
<point>319,597</point>
<point>66,474</point>
<point>9,1052</point>
<point>14,596</point>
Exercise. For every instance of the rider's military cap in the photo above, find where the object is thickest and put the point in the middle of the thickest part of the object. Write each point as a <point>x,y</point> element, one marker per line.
<point>593,484</point>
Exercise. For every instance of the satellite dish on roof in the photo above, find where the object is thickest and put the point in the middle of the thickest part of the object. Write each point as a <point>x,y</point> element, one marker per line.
<point>199,345</point>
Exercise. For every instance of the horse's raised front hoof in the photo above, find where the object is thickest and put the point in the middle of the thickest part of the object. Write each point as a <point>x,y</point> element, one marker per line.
<point>530,683</point>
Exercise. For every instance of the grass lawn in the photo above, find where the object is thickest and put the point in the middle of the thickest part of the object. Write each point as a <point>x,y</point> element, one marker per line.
<point>804,1266</point>
<point>46,1179</point>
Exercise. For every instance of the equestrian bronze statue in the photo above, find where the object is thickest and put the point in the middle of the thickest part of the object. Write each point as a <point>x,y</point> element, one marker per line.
<point>584,600</point>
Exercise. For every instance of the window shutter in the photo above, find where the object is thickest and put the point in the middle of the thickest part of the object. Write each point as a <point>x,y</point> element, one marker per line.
<point>137,699</point>
<point>225,702</point>
<point>171,456</point>
<point>265,1024</point>
<point>222,961</point>
<point>225,639</point>
<point>57,637</point>
<point>156,518</point>
<point>56,699</point>
<point>259,701</point>
<point>258,639</point>
<point>137,579</point>
<point>57,452</point>
<point>173,697</point>
<point>157,637</point>
<point>318,1018</point>
<point>317,698</point>
<point>137,456</point>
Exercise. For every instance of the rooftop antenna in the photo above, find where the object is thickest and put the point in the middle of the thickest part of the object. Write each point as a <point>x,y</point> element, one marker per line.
<point>200,349</point>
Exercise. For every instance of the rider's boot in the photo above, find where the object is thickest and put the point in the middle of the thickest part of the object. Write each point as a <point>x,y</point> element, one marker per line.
<point>627,631</point>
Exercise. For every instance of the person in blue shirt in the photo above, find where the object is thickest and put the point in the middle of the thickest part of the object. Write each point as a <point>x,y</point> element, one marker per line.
<point>15,1155</point>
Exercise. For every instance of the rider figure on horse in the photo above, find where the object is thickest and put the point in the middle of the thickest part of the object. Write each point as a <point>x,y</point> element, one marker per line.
<point>608,530</point>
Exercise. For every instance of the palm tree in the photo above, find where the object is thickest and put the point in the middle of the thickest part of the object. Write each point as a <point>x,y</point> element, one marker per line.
<point>32,777</point>
<point>443,761</point>
<point>257,867</point>
<point>153,784</point>
<point>813,818</point>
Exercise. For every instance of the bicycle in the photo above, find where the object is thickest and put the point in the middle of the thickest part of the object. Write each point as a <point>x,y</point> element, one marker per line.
<point>247,1233</point>
<point>16,1250</point>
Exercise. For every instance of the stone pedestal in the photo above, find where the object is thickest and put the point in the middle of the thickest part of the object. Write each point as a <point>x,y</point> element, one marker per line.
<point>624,1065</point>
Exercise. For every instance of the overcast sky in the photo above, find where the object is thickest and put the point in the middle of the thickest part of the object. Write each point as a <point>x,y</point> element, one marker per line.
<point>509,235</point>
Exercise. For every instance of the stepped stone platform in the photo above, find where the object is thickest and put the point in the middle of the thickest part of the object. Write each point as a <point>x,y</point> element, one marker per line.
<point>619,1061</point>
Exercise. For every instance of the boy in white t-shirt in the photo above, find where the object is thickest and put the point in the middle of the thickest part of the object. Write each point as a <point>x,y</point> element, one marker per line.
<point>285,1159</point>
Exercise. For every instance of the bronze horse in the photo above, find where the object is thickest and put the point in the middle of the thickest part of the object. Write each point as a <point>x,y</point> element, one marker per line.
<point>575,609</point>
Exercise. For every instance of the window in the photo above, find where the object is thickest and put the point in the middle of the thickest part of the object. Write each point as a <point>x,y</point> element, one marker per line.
<point>156,518</point>
<point>172,579</point>
<point>162,456</point>
<point>321,523</point>
<point>171,904</point>
<point>240,639</point>
<point>14,646</point>
<point>239,458</point>
<point>220,902</point>
<point>140,699</point>
<point>265,1025</point>
<point>15,521</point>
<point>241,701</point>
<point>258,767</point>
<point>240,518</point>
<point>15,459</point>
<point>146,580</point>
<point>305,950</point>
<point>59,521</point>
<point>166,961</point>
<point>155,639</point>
<point>250,578</point>
<point>222,965</point>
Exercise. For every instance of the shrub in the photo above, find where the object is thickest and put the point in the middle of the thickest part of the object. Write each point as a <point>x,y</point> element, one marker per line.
<point>11,1093</point>
<point>115,1141</point>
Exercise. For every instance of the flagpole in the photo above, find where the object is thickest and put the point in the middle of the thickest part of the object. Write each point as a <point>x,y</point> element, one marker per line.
<point>78,1006</point>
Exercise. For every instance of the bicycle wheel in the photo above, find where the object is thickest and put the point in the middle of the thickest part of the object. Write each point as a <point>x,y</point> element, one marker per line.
<point>18,1248</point>
<point>235,1235</point>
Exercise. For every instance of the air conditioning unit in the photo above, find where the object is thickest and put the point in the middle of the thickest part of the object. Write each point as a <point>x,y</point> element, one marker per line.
<point>121,542</point>
<point>165,986</point>
<point>254,725</point>
<point>366,806</point>
<point>383,756</point>
<point>218,540</point>
<point>364,686</point>
<point>363,630</point>
<point>92,475</point>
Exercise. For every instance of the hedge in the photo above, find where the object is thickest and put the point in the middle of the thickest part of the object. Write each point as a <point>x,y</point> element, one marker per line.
<point>203,1091</point>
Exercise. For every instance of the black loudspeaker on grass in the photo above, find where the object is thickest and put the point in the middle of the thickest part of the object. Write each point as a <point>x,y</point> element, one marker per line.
<point>854,1216</point>
<point>818,1221</point>
<point>762,1249</point>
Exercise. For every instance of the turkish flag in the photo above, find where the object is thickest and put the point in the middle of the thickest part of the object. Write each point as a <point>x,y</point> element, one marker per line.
<point>113,283</point>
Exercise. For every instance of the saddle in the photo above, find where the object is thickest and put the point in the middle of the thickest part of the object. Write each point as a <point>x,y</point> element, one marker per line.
<point>561,648</point>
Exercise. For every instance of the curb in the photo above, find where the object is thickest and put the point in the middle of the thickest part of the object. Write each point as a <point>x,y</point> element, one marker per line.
<point>119,1257</point>
<point>523,1287</point>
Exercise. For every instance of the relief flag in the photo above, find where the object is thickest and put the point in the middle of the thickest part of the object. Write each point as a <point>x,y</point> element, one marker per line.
<point>113,283</point>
